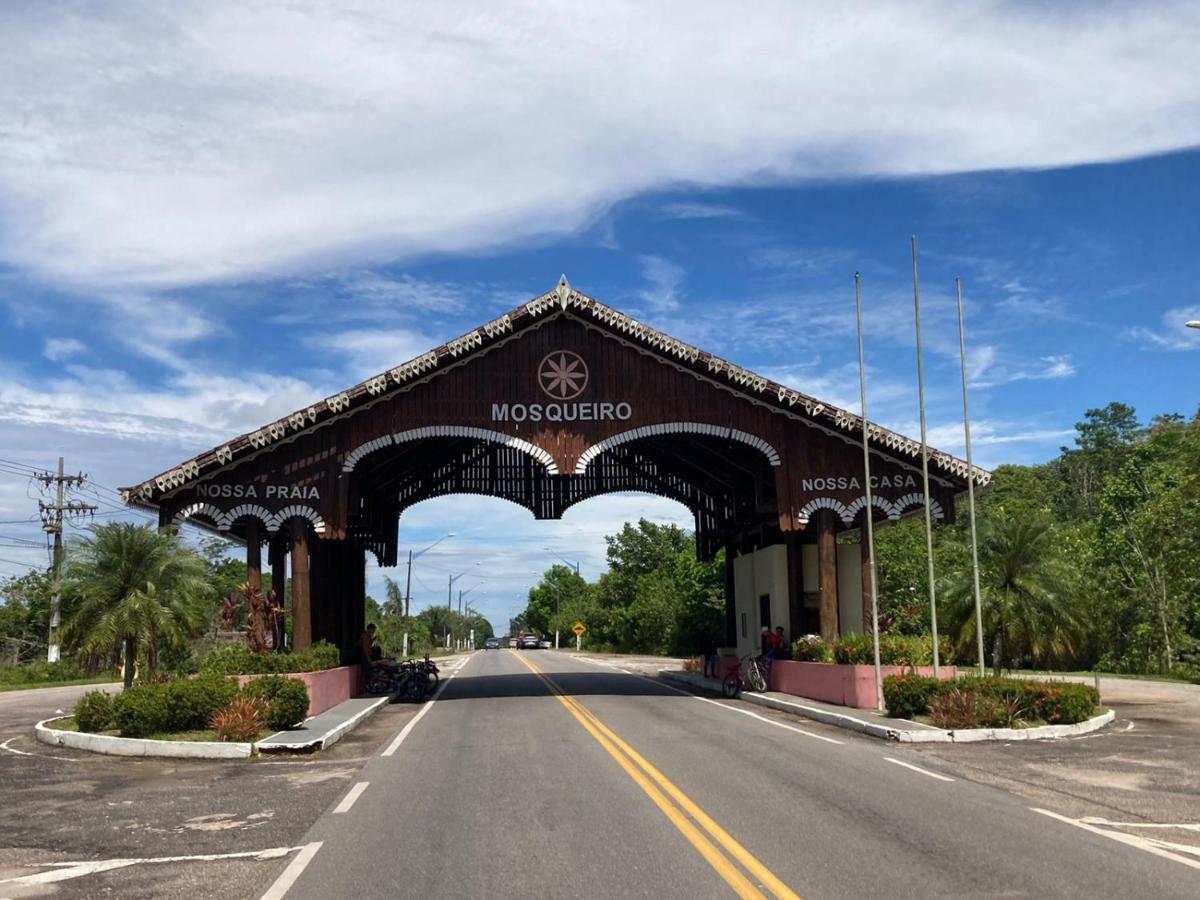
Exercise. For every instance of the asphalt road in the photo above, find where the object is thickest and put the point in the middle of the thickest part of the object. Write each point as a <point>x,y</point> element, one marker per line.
<point>623,787</point>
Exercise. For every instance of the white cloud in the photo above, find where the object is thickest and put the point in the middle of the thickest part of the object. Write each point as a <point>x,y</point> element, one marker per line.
<point>1173,335</point>
<point>696,210</point>
<point>993,373</point>
<point>666,282</point>
<point>58,349</point>
<point>366,352</point>
<point>150,145</point>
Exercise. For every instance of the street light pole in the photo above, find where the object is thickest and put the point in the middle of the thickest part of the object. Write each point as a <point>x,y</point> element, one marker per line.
<point>925,463</point>
<point>868,513</point>
<point>962,352</point>
<point>450,600</point>
<point>575,566</point>
<point>408,586</point>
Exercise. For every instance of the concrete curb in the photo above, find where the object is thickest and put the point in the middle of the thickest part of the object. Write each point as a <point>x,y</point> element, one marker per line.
<point>917,734</point>
<point>119,746</point>
<point>326,740</point>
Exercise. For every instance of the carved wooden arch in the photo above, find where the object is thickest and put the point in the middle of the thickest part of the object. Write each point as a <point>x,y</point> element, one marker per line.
<point>435,431</point>
<point>646,431</point>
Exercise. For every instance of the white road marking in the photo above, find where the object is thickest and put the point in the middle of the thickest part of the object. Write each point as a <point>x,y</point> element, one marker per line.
<point>65,871</point>
<point>1133,840</point>
<point>754,715</point>
<point>1181,826</point>
<point>294,870</point>
<point>725,706</point>
<point>348,801</point>
<point>407,729</point>
<point>5,746</point>
<point>918,769</point>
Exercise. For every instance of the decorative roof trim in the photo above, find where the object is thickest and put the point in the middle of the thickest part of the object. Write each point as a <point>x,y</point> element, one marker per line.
<point>563,297</point>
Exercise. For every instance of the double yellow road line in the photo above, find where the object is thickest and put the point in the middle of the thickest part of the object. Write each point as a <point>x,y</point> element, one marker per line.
<point>693,823</point>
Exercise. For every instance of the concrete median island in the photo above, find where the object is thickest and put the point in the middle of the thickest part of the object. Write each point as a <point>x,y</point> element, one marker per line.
<point>877,724</point>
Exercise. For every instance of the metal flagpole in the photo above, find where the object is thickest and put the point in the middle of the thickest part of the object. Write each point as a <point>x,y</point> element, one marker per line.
<point>925,464</point>
<point>868,524</point>
<point>962,353</point>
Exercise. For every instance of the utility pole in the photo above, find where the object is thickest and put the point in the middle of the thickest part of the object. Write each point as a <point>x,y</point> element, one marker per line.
<point>52,523</point>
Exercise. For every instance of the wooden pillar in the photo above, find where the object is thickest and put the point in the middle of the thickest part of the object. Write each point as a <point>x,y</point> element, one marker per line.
<point>730,598</point>
<point>301,589</point>
<point>253,555</point>
<point>865,556</point>
<point>795,585</point>
<point>277,556</point>
<point>827,573</point>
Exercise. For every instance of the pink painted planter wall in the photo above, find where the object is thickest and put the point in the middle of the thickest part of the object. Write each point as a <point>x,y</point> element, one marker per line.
<point>325,689</point>
<point>834,683</point>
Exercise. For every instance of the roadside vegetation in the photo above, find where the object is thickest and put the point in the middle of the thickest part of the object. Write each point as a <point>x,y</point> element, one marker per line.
<point>1087,562</point>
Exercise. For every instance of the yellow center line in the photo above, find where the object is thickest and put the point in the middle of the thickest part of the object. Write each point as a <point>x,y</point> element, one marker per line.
<point>637,767</point>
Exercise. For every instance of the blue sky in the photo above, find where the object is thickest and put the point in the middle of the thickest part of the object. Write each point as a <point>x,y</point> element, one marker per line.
<point>212,216</point>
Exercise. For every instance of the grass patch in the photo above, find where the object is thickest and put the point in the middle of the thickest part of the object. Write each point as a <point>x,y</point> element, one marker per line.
<point>30,685</point>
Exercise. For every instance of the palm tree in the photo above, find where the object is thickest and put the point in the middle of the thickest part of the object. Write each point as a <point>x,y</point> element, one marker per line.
<point>137,587</point>
<point>1024,592</point>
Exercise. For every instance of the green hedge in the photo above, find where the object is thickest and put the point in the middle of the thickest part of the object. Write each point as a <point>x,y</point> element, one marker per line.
<point>989,702</point>
<point>93,712</point>
<point>189,705</point>
<point>238,659</point>
<point>286,699</point>
<point>811,648</point>
<point>894,650</point>
<point>909,695</point>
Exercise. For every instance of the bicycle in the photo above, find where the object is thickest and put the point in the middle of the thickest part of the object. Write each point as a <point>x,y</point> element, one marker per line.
<point>751,671</point>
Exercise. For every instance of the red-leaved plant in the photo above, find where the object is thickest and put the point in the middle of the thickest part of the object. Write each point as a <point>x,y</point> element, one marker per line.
<point>241,720</point>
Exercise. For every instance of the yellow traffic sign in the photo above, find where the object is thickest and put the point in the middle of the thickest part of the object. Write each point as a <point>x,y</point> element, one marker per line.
<point>578,628</point>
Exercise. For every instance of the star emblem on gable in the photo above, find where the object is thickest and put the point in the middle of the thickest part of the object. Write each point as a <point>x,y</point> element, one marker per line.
<point>563,375</point>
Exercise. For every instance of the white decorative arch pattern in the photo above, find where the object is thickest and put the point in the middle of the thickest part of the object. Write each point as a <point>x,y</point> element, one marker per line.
<point>877,501</point>
<point>847,512</point>
<point>916,500</point>
<point>253,511</point>
<point>298,512</point>
<point>271,521</point>
<point>201,509</point>
<point>624,437</point>
<point>483,434</point>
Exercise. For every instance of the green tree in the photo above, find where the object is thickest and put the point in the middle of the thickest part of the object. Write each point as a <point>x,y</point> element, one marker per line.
<point>137,587</point>
<point>25,612</point>
<point>1025,594</point>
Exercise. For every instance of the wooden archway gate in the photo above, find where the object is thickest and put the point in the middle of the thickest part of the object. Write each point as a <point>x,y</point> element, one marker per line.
<point>557,401</point>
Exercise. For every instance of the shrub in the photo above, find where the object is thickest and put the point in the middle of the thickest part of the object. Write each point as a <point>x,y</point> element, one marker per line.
<point>909,695</point>
<point>286,699</point>
<point>94,711</point>
<point>183,705</point>
<point>235,659</point>
<point>140,711</point>
<point>957,707</point>
<point>320,656</point>
<point>241,720</point>
<point>855,649</point>
<point>238,659</point>
<point>811,648</point>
